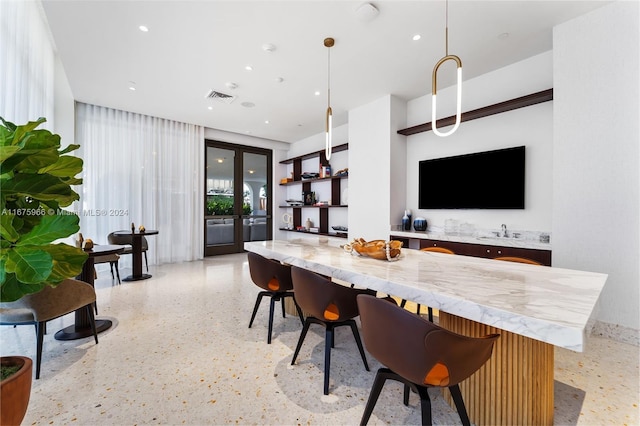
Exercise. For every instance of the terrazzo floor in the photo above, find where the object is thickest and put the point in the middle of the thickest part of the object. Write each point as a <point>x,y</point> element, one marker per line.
<point>180,353</point>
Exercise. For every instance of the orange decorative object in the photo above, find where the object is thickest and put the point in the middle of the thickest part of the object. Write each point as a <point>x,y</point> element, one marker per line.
<point>377,249</point>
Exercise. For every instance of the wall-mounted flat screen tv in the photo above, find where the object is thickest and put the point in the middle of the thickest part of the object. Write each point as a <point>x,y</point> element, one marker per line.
<point>482,180</point>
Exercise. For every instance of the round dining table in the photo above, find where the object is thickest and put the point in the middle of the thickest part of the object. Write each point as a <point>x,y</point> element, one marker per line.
<point>82,326</point>
<point>136,252</point>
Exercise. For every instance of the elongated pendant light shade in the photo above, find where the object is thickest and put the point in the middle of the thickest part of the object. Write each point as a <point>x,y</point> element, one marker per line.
<point>434,84</point>
<point>328,42</point>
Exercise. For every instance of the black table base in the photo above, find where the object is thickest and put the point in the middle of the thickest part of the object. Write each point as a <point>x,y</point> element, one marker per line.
<point>72,332</point>
<point>137,277</point>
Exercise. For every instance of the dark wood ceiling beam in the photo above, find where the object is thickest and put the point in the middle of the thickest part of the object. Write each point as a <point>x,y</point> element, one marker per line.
<point>521,102</point>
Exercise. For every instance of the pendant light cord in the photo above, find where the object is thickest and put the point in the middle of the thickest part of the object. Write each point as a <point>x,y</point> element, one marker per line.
<point>329,77</point>
<point>446,28</point>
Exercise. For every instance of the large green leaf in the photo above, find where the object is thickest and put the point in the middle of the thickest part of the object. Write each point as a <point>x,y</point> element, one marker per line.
<point>37,159</point>
<point>7,230</point>
<point>50,229</point>
<point>66,166</point>
<point>70,148</point>
<point>67,261</point>
<point>8,151</point>
<point>16,133</point>
<point>41,187</point>
<point>31,265</point>
<point>12,289</point>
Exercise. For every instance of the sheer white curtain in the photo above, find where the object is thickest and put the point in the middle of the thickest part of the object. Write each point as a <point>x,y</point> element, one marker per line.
<point>27,63</point>
<point>144,170</point>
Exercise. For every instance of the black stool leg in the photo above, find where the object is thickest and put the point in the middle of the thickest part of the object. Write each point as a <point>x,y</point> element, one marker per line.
<point>303,333</point>
<point>255,307</point>
<point>425,405</point>
<point>356,335</point>
<point>273,301</point>
<point>328,341</point>
<point>378,383</point>
<point>457,399</point>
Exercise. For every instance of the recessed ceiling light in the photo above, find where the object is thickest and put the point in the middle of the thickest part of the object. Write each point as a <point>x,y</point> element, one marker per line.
<point>231,85</point>
<point>143,28</point>
<point>266,121</point>
<point>268,47</point>
<point>220,160</point>
<point>132,88</point>
<point>248,68</point>
<point>317,93</point>
<point>248,104</point>
<point>503,36</point>
<point>279,79</point>
<point>417,37</point>
<point>251,171</point>
<point>210,108</point>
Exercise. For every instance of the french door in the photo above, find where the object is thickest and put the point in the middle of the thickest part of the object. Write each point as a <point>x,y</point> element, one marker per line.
<point>237,191</point>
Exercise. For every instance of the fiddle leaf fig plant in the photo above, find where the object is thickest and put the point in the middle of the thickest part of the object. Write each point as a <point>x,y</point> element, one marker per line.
<point>35,181</point>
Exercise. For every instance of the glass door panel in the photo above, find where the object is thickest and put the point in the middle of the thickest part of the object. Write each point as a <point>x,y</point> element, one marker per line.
<point>220,214</point>
<point>256,220</point>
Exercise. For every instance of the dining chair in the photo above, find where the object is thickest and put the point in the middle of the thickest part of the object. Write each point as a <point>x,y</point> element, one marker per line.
<point>518,260</point>
<point>47,304</point>
<point>275,280</point>
<point>330,305</point>
<point>419,354</point>
<point>113,260</point>
<point>128,240</point>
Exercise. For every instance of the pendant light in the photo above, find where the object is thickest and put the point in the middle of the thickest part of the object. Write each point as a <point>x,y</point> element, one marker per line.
<point>434,82</point>
<point>328,42</point>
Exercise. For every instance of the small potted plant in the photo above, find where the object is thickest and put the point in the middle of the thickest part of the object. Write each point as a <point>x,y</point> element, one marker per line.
<point>36,177</point>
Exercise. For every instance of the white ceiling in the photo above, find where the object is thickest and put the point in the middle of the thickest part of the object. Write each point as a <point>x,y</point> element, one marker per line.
<point>194,46</point>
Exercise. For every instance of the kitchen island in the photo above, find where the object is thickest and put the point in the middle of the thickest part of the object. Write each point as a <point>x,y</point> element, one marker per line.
<point>533,308</point>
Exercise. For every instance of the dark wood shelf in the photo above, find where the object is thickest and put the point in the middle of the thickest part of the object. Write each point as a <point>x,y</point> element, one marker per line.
<point>313,207</point>
<point>297,182</point>
<point>521,102</point>
<point>314,154</point>
<point>327,234</point>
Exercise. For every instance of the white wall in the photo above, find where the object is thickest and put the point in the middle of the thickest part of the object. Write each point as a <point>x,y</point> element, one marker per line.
<point>373,149</point>
<point>530,126</point>
<point>596,214</point>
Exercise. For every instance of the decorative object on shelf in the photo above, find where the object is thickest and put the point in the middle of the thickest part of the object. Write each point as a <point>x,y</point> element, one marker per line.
<point>328,43</point>
<point>325,171</point>
<point>340,228</point>
<point>377,249</point>
<point>434,82</point>
<point>342,172</point>
<point>310,175</point>
<point>406,221</point>
<point>288,220</point>
<point>133,228</point>
<point>420,224</point>
<point>294,203</point>
<point>545,238</point>
<point>308,224</point>
<point>309,198</point>
<point>141,228</point>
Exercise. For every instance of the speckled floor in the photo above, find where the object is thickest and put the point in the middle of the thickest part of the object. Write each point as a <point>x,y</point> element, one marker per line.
<point>180,352</point>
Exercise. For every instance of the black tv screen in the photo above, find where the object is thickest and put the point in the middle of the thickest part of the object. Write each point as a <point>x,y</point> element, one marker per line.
<point>482,180</point>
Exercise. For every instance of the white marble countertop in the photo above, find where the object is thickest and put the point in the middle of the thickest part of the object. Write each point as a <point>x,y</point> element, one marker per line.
<point>552,305</point>
<point>472,239</point>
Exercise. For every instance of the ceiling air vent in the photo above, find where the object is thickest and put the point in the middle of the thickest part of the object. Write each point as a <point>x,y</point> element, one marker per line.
<point>220,97</point>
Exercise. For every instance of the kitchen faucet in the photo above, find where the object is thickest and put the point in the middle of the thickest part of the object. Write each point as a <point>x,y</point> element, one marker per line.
<point>504,230</point>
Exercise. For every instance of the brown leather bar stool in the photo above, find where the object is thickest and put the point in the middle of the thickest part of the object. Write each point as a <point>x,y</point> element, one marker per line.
<point>434,249</point>
<point>330,305</point>
<point>275,280</point>
<point>423,355</point>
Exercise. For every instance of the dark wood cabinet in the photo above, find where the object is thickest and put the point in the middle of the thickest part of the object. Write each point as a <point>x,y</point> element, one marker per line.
<point>484,250</point>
